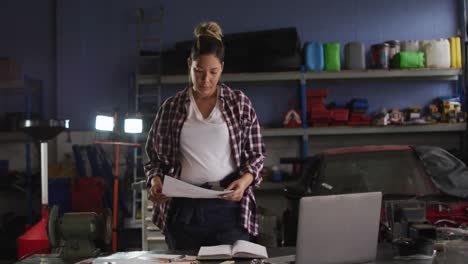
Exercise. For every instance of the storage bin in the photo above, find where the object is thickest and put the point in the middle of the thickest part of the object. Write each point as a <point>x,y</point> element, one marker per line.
<point>408,59</point>
<point>332,58</point>
<point>437,53</point>
<point>313,56</point>
<point>355,56</point>
<point>88,194</point>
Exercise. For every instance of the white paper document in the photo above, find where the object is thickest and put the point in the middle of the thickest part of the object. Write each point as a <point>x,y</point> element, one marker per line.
<point>173,187</point>
<point>143,257</point>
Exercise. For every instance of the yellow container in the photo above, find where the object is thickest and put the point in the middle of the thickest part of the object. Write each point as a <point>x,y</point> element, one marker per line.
<point>453,56</point>
<point>458,52</point>
<point>455,52</point>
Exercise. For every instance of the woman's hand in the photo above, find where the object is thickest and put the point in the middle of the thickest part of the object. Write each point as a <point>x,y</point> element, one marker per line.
<point>238,186</point>
<point>155,194</point>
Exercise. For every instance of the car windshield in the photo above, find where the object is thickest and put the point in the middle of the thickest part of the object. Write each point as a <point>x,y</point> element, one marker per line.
<point>391,172</point>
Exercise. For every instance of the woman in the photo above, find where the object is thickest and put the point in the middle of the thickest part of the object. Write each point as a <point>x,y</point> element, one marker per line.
<point>207,135</point>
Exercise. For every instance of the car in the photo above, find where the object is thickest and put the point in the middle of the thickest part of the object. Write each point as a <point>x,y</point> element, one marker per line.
<point>409,177</point>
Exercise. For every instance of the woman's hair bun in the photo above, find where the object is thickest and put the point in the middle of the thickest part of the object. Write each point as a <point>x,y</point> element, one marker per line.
<point>211,29</point>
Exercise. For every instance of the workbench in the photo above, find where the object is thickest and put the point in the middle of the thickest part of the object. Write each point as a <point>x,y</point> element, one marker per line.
<point>456,252</point>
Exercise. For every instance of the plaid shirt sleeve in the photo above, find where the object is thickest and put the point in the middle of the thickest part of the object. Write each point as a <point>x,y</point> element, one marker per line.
<point>252,147</point>
<point>158,146</point>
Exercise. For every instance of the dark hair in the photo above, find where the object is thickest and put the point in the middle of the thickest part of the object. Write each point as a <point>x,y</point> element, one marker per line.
<point>208,41</point>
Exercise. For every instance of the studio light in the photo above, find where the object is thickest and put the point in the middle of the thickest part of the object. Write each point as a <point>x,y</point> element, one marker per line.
<point>133,125</point>
<point>105,123</point>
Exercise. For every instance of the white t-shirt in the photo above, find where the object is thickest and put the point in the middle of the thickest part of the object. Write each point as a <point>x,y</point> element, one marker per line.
<point>205,152</point>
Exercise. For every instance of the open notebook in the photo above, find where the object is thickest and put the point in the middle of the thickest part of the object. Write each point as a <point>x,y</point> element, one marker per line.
<point>240,249</point>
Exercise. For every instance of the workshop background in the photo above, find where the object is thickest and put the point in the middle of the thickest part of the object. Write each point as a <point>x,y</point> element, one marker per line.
<point>85,53</point>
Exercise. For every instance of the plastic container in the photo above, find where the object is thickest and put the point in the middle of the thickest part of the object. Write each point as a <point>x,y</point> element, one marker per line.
<point>355,56</point>
<point>455,52</point>
<point>276,175</point>
<point>409,45</point>
<point>313,56</point>
<point>332,58</point>
<point>437,53</point>
<point>393,48</point>
<point>423,44</point>
<point>408,59</point>
<point>379,56</point>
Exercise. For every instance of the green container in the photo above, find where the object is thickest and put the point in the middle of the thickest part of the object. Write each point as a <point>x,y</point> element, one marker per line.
<point>408,59</point>
<point>331,52</point>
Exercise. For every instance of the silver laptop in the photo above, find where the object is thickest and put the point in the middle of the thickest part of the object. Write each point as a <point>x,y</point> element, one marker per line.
<point>338,228</point>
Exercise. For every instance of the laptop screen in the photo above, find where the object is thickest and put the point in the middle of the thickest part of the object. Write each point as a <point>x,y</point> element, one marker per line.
<point>338,228</point>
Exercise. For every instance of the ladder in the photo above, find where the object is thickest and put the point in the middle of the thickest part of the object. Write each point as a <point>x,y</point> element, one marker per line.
<point>147,83</point>
<point>148,68</point>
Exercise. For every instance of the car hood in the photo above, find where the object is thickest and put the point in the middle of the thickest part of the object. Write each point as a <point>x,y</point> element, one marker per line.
<point>447,172</point>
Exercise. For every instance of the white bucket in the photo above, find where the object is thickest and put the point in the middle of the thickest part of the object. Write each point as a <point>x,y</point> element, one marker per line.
<point>437,53</point>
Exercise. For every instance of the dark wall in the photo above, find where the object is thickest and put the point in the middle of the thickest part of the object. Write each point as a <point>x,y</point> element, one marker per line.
<point>27,30</point>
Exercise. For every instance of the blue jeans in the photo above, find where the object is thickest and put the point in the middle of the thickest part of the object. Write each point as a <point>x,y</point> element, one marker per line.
<point>193,223</point>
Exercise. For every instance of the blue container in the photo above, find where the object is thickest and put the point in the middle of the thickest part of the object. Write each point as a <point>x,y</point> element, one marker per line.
<point>313,56</point>
<point>60,194</point>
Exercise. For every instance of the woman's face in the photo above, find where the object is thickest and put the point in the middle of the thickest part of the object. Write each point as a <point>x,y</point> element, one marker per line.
<point>205,73</point>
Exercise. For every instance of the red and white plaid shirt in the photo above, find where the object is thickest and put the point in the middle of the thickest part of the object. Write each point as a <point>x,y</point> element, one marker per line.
<point>247,147</point>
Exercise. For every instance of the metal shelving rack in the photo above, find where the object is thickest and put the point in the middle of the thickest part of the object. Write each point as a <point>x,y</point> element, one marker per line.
<point>348,130</point>
<point>417,74</point>
<point>412,74</point>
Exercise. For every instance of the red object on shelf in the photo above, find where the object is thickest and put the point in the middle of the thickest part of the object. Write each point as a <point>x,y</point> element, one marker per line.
<point>320,124</point>
<point>316,101</point>
<point>292,119</point>
<point>34,241</point>
<point>317,93</point>
<point>359,119</point>
<point>340,115</point>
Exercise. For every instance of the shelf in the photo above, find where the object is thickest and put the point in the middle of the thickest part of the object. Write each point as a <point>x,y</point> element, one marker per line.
<point>386,129</point>
<point>425,73</point>
<point>322,131</point>
<point>13,137</point>
<point>347,130</point>
<point>282,132</point>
